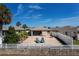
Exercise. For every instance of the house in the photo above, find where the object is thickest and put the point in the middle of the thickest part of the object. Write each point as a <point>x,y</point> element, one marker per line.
<point>69,31</point>
<point>38,31</point>
<point>17,29</point>
<point>41,31</point>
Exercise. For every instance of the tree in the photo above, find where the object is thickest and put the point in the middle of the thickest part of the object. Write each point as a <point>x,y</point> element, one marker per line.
<point>49,27</point>
<point>18,23</point>
<point>44,26</point>
<point>25,26</point>
<point>11,37</point>
<point>5,15</point>
<point>57,27</point>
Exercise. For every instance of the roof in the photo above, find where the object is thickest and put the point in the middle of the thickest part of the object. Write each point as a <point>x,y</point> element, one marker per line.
<point>77,29</point>
<point>45,28</point>
<point>16,28</point>
<point>68,28</point>
<point>40,28</point>
<point>5,28</point>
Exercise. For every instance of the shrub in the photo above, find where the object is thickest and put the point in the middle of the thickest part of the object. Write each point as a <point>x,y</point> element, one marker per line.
<point>23,35</point>
<point>76,42</point>
<point>11,37</point>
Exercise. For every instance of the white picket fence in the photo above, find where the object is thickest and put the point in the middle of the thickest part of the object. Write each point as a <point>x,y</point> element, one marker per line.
<point>34,46</point>
<point>67,39</point>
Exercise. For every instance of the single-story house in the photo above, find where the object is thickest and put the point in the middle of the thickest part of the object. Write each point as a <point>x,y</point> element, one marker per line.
<point>18,29</point>
<point>40,31</point>
<point>69,31</point>
<point>36,31</point>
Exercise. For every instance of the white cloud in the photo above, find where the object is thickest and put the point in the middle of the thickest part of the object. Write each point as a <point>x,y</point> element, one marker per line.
<point>19,10</point>
<point>35,7</point>
<point>46,20</point>
<point>31,17</point>
<point>38,16</point>
<point>30,11</point>
<point>20,6</point>
<point>70,19</point>
<point>29,14</point>
<point>67,21</point>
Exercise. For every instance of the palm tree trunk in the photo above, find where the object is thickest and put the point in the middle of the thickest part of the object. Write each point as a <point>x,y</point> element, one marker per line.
<point>0,30</point>
<point>0,27</point>
<point>1,34</point>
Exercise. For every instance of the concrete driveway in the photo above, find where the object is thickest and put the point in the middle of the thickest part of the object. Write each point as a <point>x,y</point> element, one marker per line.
<point>48,40</point>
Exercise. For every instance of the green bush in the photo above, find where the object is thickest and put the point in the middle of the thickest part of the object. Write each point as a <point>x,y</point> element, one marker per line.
<point>76,42</point>
<point>11,37</point>
<point>22,35</point>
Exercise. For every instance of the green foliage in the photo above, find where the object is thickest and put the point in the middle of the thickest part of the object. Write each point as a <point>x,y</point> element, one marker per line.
<point>76,42</point>
<point>25,26</point>
<point>5,15</point>
<point>23,35</point>
<point>11,36</point>
<point>0,26</point>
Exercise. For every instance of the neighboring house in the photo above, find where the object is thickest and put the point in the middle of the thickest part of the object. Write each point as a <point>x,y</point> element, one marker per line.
<point>69,31</point>
<point>17,28</point>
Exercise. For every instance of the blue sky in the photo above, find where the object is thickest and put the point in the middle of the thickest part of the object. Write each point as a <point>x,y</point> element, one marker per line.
<point>44,14</point>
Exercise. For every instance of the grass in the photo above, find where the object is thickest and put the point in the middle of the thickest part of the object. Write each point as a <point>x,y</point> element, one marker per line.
<point>76,42</point>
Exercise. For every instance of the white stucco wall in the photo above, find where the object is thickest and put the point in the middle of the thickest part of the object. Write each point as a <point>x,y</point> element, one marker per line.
<point>0,40</point>
<point>44,33</point>
<point>0,37</point>
<point>77,36</point>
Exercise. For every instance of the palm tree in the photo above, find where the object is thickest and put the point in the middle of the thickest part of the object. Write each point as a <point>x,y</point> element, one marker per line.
<point>5,16</point>
<point>25,26</point>
<point>18,23</point>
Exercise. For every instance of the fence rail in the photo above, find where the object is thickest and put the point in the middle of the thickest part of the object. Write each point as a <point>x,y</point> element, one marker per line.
<point>34,46</point>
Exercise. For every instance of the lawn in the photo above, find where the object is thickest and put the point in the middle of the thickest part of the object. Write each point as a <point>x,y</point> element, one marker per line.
<point>76,42</point>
